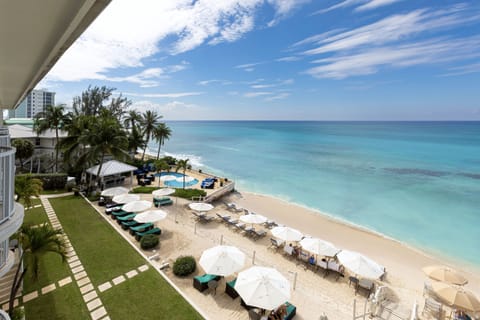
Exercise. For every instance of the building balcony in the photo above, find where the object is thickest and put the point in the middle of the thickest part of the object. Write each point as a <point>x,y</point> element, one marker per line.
<point>7,184</point>
<point>9,226</point>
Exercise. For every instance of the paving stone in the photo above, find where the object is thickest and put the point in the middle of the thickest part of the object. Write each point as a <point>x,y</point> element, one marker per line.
<point>94,304</point>
<point>74,263</point>
<point>30,296</point>
<point>143,268</point>
<point>48,288</point>
<point>89,296</point>
<point>72,258</point>
<point>118,280</point>
<point>132,273</point>
<point>80,275</point>
<point>78,269</point>
<point>106,318</point>
<point>87,288</point>
<point>83,281</point>
<point>104,286</point>
<point>97,314</point>
<point>64,281</point>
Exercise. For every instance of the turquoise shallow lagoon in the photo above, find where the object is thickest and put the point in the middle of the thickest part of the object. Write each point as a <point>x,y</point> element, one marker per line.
<point>417,182</point>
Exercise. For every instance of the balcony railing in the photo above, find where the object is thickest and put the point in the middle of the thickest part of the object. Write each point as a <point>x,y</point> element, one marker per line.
<point>7,176</point>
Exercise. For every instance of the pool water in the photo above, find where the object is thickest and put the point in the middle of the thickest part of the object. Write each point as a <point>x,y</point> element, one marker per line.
<point>178,182</point>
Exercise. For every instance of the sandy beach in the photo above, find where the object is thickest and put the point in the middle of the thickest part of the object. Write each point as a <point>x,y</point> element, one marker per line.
<point>313,294</point>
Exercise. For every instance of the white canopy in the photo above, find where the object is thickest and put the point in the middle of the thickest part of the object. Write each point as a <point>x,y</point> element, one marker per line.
<point>115,191</point>
<point>319,246</point>
<point>111,168</point>
<point>253,218</point>
<point>287,234</point>
<point>222,260</point>
<point>360,265</point>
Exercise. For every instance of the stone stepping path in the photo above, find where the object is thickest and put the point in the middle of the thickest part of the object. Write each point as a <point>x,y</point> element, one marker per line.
<point>116,281</point>
<point>89,294</point>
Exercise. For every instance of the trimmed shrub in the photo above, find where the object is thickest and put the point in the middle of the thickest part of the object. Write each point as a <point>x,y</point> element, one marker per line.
<point>184,266</point>
<point>189,193</point>
<point>149,241</point>
<point>51,181</point>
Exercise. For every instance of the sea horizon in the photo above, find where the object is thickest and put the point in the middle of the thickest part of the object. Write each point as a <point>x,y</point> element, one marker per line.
<point>383,176</point>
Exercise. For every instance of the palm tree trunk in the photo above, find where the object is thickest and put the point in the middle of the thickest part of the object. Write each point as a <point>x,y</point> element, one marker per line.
<point>145,149</point>
<point>97,180</point>
<point>183,178</point>
<point>56,149</point>
<point>16,284</point>
<point>159,146</point>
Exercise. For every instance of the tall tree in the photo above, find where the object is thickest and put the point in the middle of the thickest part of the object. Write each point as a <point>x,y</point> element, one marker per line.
<point>24,151</point>
<point>132,118</point>
<point>35,243</point>
<point>182,164</point>
<point>161,165</point>
<point>27,187</point>
<point>149,122</point>
<point>92,100</point>
<point>54,118</point>
<point>161,133</point>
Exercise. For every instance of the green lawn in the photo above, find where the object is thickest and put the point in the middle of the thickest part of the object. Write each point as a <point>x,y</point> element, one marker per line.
<point>103,252</point>
<point>51,269</point>
<point>35,216</point>
<point>156,300</point>
<point>64,303</point>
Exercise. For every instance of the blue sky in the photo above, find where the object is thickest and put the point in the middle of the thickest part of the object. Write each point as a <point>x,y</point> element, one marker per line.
<point>283,59</point>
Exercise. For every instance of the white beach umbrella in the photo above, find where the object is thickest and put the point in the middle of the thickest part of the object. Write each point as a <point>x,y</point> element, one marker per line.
<point>137,206</point>
<point>263,287</point>
<point>167,177</point>
<point>163,192</point>
<point>126,198</point>
<point>201,206</point>
<point>187,179</point>
<point>222,260</point>
<point>445,274</point>
<point>456,297</point>
<point>319,246</point>
<point>253,218</point>
<point>287,234</point>
<point>150,216</point>
<point>360,265</point>
<point>115,191</point>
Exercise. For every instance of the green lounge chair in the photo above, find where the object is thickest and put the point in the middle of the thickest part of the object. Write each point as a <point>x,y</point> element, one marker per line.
<point>119,214</point>
<point>128,217</point>
<point>230,289</point>
<point>141,228</point>
<point>162,201</point>
<point>139,235</point>
<point>291,311</point>
<point>201,282</point>
<point>127,224</point>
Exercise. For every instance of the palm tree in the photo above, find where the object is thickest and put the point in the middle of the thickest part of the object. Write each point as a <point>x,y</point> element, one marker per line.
<point>35,243</point>
<point>160,133</point>
<point>27,187</point>
<point>135,141</point>
<point>149,122</point>
<point>131,119</point>
<point>161,165</point>
<point>182,164</point>
<point>24,151</point>
<point>52,118</point>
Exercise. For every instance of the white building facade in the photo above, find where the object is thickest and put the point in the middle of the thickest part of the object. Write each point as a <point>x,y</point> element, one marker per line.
<point>34,103</point>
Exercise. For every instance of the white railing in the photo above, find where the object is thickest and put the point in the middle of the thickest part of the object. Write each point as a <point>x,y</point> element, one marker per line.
<point>7,176</point>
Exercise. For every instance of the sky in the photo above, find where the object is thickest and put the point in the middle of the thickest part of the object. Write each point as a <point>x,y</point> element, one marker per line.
<point>282,59</point>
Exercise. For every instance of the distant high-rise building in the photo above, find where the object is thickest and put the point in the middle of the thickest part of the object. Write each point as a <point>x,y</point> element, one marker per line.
<point>33,104</point>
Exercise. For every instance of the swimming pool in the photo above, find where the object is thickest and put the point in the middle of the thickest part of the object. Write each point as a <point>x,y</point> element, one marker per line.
<point>178,182</point>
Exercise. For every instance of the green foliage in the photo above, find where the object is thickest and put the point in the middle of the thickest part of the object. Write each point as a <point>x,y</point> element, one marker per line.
<point>170,160</point>
<point>149,241</point>
<point>184,266</point>
<point>161,133</point>
<point>24,149</point>
<point>18,313</point>
<point>26,187</point>
<point>144,189</point>
<point>150,119</point>
<point>189,193</point>
<point>50,181</point>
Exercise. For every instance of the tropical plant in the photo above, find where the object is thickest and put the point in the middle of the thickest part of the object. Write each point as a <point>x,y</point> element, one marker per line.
<point>149,241</point>
<point>25,149</point>
<point>160,165</point>
<point>35,243</point>
<point>52,118</point>
<point>132,119</point>
<point>184,266</point>
<point>27,187</point>
<point>150,120</point>
<point>182,164</point>
<point>161,133</point>
<point>135,141</point>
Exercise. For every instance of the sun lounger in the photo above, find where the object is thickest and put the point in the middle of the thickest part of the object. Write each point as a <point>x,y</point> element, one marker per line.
<point>139,235</point>
<point>141,228</point>
<point>336,268</point>
<point>323,265</point>
<point>432,308</point>
<point>230,289</point>
<point>223,217</point>
<point>259,234</point>
<point>127,224</point>
<point>205,218</point>
<point>291,311</point>
<point>240,226</point>
<point>162,201</point>
<point>288,251</point>
<point>276,243</point>
<point>201,282</point>
<point>113,209</point>
<point>366,285</point>
<point>119,213</point>
<point>232,222</point>
<point>125,218</point>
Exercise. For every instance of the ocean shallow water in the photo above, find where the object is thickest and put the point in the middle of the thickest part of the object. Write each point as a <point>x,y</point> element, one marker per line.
<point>417,182</point>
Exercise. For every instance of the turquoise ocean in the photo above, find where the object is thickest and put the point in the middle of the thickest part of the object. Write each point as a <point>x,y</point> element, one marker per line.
<point>416,182</point>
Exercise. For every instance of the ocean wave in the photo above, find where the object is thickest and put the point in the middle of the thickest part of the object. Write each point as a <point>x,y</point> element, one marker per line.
<point>195,161</point>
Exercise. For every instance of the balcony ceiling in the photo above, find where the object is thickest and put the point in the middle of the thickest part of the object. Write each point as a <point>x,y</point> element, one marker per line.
<point>33,36</point>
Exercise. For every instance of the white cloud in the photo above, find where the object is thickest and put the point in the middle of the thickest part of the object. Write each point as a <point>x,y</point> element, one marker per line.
<point>342,4</point>
<point>373,4</point>
<point>257,94</point>
<point>284,8</point>
<point>364,5</point>
<point>207,82</point>
<point>279,96</point>
<point>170,110</point>
<point>288,59</point>
<point>465,69</point>
<point>248,67</point>
<point>256,85</point>
<point>163,95</point>
<point>128,32</point>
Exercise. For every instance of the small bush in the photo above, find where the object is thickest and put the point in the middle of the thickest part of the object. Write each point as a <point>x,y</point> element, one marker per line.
<point>149,241</point>
<point>144,189</point>
<point>184,266</point>
<point>189,193</point>
<point>51,181</point>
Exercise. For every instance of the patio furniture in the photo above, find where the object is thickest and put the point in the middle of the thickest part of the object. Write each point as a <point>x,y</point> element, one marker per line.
<point>141,228</point>
<point>322,263</point>
<point>201,282</point>
<point>113,209</point>
<point>432,308</point>
<point>259,234</point>
<point>162,201</point>
<point>230,289</point>
<point>291,311</point>
<point>366,285</point>
<point>139,235</point>
<point>125,218</point>
<point>127,224</point>
<point>289,251</point>
<point>336,268</point>
<point>119,213</point>
<point>276,244</point>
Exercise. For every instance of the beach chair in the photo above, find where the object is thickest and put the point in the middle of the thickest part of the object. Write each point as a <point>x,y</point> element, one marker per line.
<point>336,268</point>
<point>288,251</point>
<point>113,209</point>
<point>205,218</point>
<point>366,285</point>
<point>322,264</point>
<point>230,289</point>
<point>125,218</point>
<point>291,311</point>
<point>240,226</point>
<point>162,201</point>
<point>141,228</point>
<point>127,224</point>
<point>118,213</point>
<point>139,235</point>
<point>276,243</point>
<point>201,282</point>
<point>259,234</point>
<point>432,308</point>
